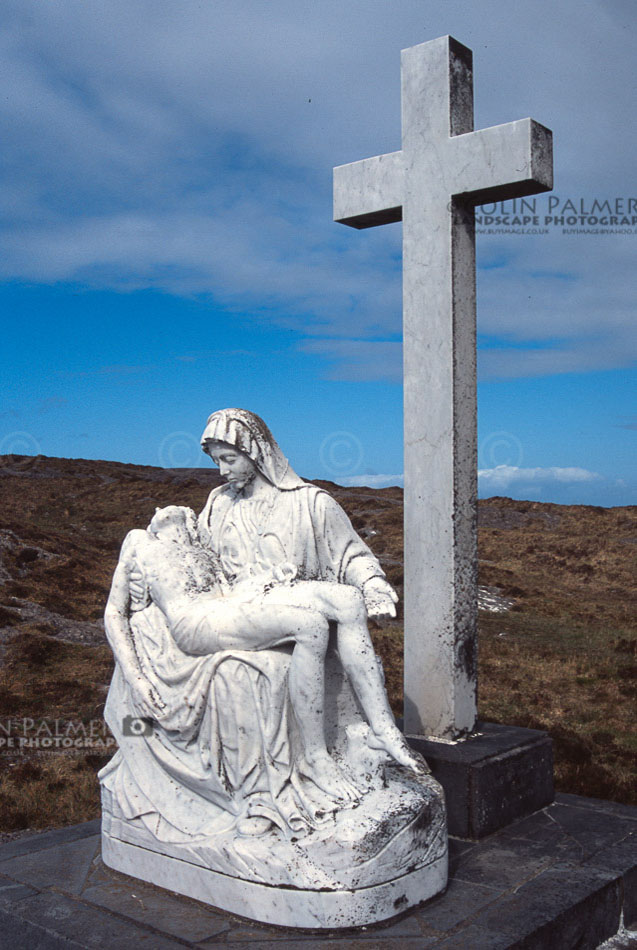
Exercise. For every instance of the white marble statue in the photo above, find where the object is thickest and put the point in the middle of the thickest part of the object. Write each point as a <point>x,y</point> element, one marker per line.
<point>257,748</point>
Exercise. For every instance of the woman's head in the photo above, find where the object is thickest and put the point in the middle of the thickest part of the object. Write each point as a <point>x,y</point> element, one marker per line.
<point>235,466</point>
<point>248,436</point>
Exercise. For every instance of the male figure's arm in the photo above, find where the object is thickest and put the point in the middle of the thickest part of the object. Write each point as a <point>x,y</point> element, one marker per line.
<point>118,631</point>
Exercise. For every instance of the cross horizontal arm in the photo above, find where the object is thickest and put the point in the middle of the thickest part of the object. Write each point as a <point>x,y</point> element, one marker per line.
<point>369,192</point>
<point>504,161</point>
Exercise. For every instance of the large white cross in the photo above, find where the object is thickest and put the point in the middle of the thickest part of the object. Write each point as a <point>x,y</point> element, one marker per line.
<point>433,184</point>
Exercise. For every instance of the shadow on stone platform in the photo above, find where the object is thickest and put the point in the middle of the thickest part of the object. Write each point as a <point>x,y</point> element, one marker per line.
<point>557,879</point>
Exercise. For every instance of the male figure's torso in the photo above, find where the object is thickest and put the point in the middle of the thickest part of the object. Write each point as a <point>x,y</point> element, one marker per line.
<point>175,574</point>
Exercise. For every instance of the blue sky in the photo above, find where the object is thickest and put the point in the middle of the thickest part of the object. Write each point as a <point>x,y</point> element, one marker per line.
<point>168,248</point>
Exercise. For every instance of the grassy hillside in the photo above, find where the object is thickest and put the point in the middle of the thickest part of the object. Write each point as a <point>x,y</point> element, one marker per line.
<point>562,658</point>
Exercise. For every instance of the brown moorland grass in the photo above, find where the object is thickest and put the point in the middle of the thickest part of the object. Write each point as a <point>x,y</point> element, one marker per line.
<point>563,659</point>
<point>43,680</point>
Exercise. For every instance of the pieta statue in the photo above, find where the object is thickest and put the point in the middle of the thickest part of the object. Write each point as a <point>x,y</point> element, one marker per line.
<point>259,766</point>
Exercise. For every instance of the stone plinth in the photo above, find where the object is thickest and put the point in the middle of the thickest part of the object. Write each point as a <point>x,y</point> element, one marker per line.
<point>494,777</point>
<point>306,907</point>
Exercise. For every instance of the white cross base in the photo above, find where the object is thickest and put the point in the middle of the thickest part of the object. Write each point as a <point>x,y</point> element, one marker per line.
<point>433,184</point>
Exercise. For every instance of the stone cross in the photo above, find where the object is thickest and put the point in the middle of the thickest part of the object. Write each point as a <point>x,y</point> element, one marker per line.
<point>433,184</point>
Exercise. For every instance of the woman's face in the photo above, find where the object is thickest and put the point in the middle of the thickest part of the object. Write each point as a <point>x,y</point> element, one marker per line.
<point>237,469</point>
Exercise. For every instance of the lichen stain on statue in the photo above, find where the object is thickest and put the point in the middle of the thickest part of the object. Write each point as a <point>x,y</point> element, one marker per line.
<point>255,736</point>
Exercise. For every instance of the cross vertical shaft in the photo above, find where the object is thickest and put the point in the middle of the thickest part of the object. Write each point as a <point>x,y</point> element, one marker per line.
<point>433,184</point>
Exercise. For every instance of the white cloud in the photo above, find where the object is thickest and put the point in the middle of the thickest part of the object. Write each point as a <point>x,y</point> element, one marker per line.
<point>188,148</point>
<point>371,481</point>
<point>356,360</point>
<point>503,477</point>
<point>609,351</point>
<point>558,304</point>
<point>563,485</point>
<point>500,478</point>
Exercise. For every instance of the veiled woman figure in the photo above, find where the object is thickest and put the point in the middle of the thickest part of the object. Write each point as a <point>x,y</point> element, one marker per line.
<point>265,515</point>
<point>216,745</point>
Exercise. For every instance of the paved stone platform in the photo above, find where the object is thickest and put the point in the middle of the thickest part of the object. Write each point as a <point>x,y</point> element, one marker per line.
<point>556,880</point>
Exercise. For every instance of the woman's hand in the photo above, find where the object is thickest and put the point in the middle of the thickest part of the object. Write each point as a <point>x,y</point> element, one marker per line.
<point>380,598</point>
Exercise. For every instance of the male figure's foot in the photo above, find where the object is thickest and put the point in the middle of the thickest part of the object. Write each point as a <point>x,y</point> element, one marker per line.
<point>392,741</point>
<point>321,769</point>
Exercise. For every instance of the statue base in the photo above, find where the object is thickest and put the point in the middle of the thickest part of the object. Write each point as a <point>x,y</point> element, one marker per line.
<point>284,907</point>
<point>317,862</point>
<point>362,865</point>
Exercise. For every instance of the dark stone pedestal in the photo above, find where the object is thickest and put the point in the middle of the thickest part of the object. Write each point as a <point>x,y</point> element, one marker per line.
<point>494,777</point>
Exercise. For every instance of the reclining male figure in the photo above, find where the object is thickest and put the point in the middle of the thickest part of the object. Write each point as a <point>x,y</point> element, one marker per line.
<point>206,614</point>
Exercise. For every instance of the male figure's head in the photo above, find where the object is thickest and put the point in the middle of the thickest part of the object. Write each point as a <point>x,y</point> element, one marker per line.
<point>174,523</point>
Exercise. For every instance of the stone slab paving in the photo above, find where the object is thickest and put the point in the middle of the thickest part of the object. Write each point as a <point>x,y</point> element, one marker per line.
<point>560,878</point>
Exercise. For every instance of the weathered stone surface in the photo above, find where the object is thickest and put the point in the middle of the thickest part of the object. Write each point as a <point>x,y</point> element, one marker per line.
<point>65,865</point>
<point>475,938</point>
<point>620,857</point>
<point>443,170</point>
<point>259,767</point>
<point>51,921</point>
<point>568,905</point>
<point>591,836</point>
<point>11,892</point>
<point>492,778</point>
<point>48,839</point>
<point>460,902</point>
<point>167,912</point>
<point>499,897</point>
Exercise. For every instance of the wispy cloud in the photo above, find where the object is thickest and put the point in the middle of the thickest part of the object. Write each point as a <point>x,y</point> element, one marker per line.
<point>51,403</point>
<point>356,360</point>
<point>213,354</point>
<point>630,423</point>
<point>534,324</point>
<point>371,481</point>
<point>609,351</point>
<point>188,148</point>
<point>500,478</point>
<point>503,477</point>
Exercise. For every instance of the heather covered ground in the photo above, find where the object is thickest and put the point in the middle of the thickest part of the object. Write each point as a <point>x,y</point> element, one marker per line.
<point>562,658</point>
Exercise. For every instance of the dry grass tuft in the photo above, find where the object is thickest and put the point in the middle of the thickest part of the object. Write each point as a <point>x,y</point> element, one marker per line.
<point>51,790</point>
<point>44,679</point>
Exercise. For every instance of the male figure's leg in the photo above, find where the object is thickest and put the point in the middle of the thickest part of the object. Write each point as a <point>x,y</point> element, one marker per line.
<point>344,604</point>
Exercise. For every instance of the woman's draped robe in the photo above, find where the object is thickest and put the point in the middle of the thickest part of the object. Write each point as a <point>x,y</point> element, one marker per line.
<point>227,743</point>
